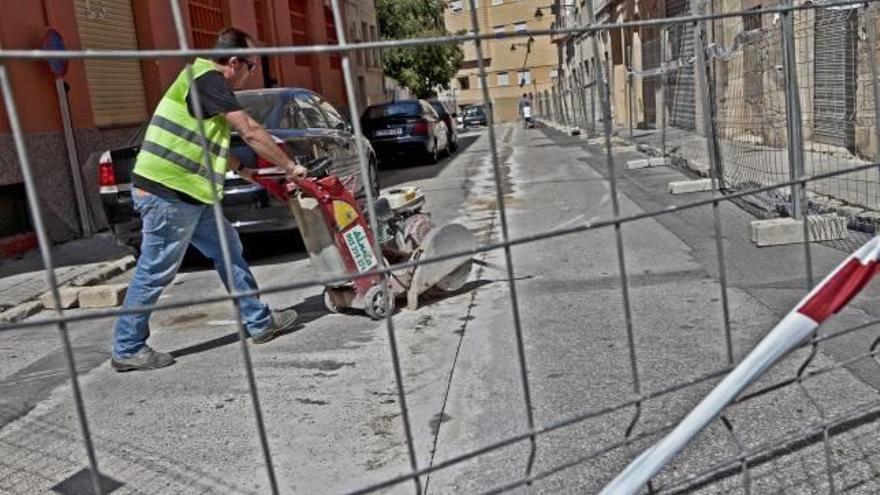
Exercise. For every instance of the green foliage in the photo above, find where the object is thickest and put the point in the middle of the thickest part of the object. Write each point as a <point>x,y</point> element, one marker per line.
<point>422,69</point>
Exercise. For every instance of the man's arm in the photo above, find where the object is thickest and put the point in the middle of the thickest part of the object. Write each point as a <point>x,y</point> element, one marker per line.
<point>261,141</point>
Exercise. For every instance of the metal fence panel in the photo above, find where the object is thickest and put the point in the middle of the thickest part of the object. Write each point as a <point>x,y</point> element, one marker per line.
<point>747,113</point>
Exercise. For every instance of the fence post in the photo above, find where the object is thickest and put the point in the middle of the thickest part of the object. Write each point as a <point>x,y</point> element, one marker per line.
<point>705,95</point>
<point>660,101</point>
<point>629,88</point>
<point>583,92</point>
<point>792,113</point>
<point>871,20</point>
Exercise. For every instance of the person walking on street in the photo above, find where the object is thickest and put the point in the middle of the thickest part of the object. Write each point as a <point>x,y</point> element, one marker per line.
<point>525,110</point>
<point>172,192</point>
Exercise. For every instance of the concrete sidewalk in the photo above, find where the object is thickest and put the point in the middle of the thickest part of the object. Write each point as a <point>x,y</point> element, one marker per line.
<point>748,165</point>
<point>81,262</point>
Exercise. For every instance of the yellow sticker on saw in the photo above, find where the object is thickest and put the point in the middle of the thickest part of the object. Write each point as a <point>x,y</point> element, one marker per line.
<point>344,214</point>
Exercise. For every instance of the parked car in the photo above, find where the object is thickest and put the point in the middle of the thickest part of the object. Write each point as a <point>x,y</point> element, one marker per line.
<point>474,115</point>
<point>448,114</point>
<point>405,128</point>
<point>302,122</point>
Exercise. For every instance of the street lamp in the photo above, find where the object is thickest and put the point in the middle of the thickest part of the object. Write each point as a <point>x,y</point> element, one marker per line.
<point>527,44</point>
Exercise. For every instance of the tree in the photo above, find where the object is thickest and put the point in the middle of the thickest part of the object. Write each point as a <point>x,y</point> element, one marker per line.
<point>423,68</point>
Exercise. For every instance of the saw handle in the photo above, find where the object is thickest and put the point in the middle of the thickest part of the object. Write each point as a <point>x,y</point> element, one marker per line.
<point>319,167</point>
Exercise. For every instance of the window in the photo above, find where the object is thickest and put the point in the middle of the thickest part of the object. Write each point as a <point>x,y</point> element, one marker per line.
<point>377,59</point>
<point>503,79</point>
<point>291,118</point>
<point>310,116</point>
<point>396,109</point>
<point>464,82</point>
<point>429,111</point>
<point>499,29</point>
<point>520,27</point>
<point>353,37</point>
<point>497,2</point>
<point>330,24</point>
<point>333,118</point>
<point>297,12</point>
<point>456,5</point>
<point>365,35</point>
<point>524,77</point>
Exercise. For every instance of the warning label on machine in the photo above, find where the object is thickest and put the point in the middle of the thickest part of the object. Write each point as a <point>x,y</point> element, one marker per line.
<point>359,247</point>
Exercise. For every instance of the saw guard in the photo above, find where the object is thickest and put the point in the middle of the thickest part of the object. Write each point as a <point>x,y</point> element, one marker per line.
<point>442,241</point>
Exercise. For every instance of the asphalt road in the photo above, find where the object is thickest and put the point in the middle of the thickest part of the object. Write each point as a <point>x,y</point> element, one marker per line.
<point>328,392</point>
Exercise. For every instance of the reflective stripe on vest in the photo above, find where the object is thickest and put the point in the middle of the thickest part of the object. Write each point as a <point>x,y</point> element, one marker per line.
<point>173,154</point>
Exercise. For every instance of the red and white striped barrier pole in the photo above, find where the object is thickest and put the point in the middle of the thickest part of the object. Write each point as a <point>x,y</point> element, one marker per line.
<point>824,300</point>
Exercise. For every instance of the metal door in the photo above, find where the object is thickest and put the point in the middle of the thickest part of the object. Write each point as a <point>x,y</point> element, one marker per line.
<point>835,77</point>
<point>680,96</point>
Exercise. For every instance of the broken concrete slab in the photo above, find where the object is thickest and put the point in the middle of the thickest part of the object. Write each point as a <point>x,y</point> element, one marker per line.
<point>69,297</point>
<point>780,231</point>
<point>690,186</point>
<point>21,312</point>
<point>105,272</point>
<point>102,296</point>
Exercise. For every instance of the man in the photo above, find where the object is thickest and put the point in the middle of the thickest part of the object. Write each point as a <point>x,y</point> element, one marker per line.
<point>525,111</point>
<point>172,193</point>
<point>525,106</point>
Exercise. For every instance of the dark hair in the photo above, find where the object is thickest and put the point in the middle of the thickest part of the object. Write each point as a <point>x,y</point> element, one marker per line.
<point>231,38</point>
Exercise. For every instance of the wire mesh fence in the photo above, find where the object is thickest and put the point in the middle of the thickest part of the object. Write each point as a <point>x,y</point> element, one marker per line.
<point>752,100</point>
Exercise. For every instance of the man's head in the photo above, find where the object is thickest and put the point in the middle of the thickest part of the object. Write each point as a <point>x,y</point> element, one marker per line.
<point>525,96</point>
<point>235,69</point>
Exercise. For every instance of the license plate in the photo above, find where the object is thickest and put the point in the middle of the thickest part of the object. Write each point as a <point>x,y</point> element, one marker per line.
<point>389,132</point>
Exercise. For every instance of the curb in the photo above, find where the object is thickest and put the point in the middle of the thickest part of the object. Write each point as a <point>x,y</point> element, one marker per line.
<point>37,303</point>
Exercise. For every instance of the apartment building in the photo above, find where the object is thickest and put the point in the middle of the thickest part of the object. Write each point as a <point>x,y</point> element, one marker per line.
<point>109,99</point>
<point>513,65</point>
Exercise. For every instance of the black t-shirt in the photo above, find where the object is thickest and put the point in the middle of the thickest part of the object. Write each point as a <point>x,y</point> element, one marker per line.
<point>216,97</point>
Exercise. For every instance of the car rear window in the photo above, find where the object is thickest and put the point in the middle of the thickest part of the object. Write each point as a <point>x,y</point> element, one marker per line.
<point>441,110</point>
<point>264,108</point>
<point>405,109</point>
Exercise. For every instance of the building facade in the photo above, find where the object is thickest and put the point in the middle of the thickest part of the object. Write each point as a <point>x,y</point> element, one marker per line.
<point>109,99</point>
<point>514,66</point>
<point>833,59</point>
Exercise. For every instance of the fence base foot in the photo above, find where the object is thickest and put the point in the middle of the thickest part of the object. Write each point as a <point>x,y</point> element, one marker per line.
<point>646,163</point>
<point>690,186</point>
<point>781,231</point>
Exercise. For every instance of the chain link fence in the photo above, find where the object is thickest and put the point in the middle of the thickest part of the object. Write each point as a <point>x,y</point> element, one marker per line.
<point>745,142</point>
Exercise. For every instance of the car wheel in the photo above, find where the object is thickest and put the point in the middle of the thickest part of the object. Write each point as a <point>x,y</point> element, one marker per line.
<point>374,176</point>
<point>434,155</point>
<point>134,250</point>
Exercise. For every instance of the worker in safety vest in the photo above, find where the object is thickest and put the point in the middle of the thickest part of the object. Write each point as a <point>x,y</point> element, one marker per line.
<point>172,191</point>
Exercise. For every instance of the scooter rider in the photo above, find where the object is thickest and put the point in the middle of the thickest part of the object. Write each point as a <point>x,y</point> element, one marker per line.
<point>525,110</point>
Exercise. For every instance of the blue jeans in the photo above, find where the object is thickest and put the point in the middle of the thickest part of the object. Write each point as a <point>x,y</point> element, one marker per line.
<point>169,226</point>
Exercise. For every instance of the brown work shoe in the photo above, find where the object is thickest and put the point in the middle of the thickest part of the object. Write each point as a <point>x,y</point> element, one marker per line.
<point>147,359</point>
<point>281,322</point>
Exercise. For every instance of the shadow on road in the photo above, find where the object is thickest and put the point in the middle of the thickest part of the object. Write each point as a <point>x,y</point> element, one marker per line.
<point>393,173</point>
<point>309,310</point>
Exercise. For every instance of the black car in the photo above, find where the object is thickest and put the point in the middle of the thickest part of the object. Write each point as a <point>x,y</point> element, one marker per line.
<point>302,122</point>
<point>474,115</point>
<point>404,128</point>
<point>448,114</point>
